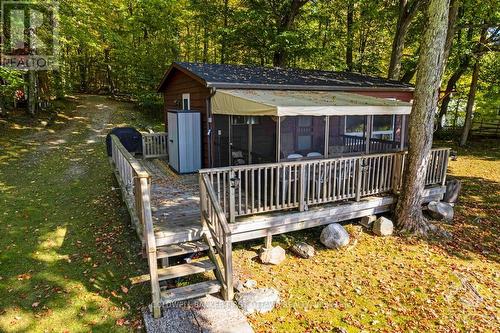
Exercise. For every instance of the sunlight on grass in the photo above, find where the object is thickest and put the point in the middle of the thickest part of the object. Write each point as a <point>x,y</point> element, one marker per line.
<point>394,284</point>
<point>67,251</point>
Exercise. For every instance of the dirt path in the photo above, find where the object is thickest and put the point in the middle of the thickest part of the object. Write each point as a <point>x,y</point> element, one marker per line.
<point>67,250</point>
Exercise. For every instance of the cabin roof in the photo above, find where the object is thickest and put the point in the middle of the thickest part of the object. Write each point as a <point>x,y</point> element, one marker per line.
<point>255,77</point>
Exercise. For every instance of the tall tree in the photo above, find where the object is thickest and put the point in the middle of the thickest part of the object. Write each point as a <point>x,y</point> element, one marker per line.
<point>469,110</point>
<point>407,11</point>
<point>350,34</point>
<point>462,67</point>
<point>409,217</point>
<point>286,13</point>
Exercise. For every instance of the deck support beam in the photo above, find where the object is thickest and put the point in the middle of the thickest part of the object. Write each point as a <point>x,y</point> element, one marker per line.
<point>268,243</point>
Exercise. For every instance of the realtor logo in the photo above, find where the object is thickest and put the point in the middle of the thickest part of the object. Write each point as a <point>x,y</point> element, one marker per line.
<point>29,35</point>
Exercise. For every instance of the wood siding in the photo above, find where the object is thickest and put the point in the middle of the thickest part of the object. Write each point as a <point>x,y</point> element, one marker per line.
<point>178,84</point>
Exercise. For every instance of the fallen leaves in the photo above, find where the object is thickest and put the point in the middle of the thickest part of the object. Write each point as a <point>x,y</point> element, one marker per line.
<point>25,276</point>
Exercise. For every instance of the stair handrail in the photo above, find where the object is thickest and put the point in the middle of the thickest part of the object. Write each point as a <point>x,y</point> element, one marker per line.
<point>137,183</point>
<point>214,220</point>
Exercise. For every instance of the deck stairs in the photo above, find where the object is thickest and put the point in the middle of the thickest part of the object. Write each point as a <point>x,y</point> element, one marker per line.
<point>166,254</point>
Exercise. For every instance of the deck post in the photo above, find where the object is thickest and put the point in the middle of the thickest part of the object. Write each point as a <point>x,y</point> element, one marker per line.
<point>359,174</point>
<point>203,200</point>
<point>403,133</point>
<point>228,268</point>
<point>232,194</point>
<point>149,236</point>
<point>368,132</point>
<point>268,241</point>
<point>397,171</point>
<point>302,188</point>
<point>445,166</point>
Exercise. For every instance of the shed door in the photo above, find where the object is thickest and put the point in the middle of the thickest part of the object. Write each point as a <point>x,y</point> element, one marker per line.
<point>173,141</point>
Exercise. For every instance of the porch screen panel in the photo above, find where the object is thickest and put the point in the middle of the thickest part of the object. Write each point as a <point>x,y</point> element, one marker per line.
<point>220,138</point>
<point>240,149</point>
<point>264,140</point>
<point>347,135</point>
<point>386,133</point>
<point>302,136</point>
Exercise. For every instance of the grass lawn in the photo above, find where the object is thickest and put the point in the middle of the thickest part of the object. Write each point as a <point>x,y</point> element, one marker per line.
<point>396,284</point>
<point>66,250</point>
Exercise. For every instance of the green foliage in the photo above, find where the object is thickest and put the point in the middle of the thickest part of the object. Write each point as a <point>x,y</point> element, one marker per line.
<point>10,81</point>
<point>125,46</point>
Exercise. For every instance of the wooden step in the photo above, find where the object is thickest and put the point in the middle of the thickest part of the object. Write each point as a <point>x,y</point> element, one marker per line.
<point>173,272</point>
<point>192,291</point>
<point>180,249</point>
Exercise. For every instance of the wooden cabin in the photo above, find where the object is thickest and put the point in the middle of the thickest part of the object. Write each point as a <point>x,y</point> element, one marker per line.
<point>282,150</point>
<point>253,115</point>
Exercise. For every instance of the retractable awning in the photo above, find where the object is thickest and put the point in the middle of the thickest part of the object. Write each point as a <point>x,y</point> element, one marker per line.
<point>280,103</point>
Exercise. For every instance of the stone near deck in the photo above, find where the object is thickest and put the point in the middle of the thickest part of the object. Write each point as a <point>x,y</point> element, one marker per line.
<point>453,188</point>
<point>440,210</point>
<point>257,300</point>
<point>367,221</point>
<point>274,255</point>
<point>383,227</point>
<point>303,250</point>
<point>334,236</point>
<point>250,284</point>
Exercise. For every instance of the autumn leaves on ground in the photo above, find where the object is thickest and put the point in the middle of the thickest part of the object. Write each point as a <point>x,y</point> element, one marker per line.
<point>66,250</point>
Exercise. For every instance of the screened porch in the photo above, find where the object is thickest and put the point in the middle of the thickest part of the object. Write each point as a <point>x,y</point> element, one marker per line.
<point>255,127</point>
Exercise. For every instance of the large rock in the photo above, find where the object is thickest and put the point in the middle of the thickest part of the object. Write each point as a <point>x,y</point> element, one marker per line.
<point>334,236</point>
<point>257,300</point>
<point>383,227</point>
<point>367,221</point>
<point>453,188</point>
<point>440,210</point>
<point>303,250</point>
<point>274,255</point>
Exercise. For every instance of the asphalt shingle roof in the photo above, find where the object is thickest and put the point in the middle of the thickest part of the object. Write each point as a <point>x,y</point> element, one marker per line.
<point>227,75</point>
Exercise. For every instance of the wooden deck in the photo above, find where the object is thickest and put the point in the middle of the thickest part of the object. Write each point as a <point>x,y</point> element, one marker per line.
<point>177,215</point>
<point>175,203</point>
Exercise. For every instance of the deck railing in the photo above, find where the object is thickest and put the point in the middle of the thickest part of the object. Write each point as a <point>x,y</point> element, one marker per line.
<point>154,145</point>
<point>136,187</point>
<point>220,245</point>
<point>260,188</point>
<point>357,144</point>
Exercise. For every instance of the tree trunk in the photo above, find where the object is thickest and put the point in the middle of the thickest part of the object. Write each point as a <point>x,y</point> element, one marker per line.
<point>452,82</point>
<point>409,217</point>
<point>109,71</point>
<point>452,17</point>
<point>350,37</point>
<point>32,92</point>
<point>407,10</point>
<point>285,23</point>
<point>224,34</point>
<point>472,91</point>
<point>205,44</point>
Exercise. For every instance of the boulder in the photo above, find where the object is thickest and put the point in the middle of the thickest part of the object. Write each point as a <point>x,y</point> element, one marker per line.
<point>383,227</point>
<point>250,284</point>
<point>238,285</point>
<point>367,221</point>
<point>303,250</point>
<point>274,255</point>
<point>440,210</point>
<point>260,300</point>
<point>453,188</point>
<point>334,236</point>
